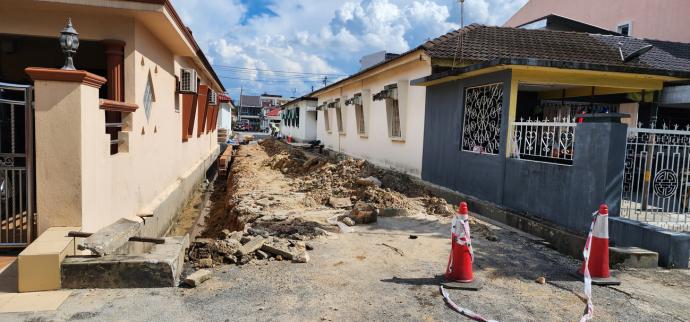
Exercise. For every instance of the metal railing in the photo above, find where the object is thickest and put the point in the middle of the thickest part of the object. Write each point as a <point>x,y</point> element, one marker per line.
<point>656,181</point>
<point>546,141</point>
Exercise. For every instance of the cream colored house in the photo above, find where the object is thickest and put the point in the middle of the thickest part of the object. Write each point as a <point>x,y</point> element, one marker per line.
<point>131,132</point>
<point>376,115</point>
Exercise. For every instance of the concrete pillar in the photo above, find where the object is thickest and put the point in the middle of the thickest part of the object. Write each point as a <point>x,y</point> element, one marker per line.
<point>600,144</point>
<point>69,132</point>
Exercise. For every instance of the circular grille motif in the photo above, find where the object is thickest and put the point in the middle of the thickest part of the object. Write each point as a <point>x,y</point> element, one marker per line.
<point>665,183</point>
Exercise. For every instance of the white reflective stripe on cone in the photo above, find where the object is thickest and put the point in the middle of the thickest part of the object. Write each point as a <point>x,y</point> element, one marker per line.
<point>601,227</point>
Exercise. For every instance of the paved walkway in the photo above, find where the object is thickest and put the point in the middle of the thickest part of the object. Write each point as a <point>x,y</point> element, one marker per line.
<point>12,302</point>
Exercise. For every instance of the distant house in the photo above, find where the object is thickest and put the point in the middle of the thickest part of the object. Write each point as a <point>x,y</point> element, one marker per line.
<point>250,111</point>
<point>131,132</point>
<point>299,119</point>
<point>273,116</point>
<point>269,102</point>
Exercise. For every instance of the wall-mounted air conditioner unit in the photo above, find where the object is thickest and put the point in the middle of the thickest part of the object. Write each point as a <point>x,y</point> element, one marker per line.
<point>213,98</point>
<point>188,80</point>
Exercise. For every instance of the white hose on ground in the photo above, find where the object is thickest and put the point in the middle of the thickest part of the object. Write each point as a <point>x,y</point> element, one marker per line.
<point>463,311</point>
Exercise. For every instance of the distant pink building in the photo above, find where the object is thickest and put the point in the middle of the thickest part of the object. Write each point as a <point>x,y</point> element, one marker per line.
<point>652,19</point>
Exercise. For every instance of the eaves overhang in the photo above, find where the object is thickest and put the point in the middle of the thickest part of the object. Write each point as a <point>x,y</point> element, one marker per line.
<point>453,74</point>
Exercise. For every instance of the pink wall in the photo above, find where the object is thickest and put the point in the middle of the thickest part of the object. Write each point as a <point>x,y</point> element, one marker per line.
<point>654,19</point>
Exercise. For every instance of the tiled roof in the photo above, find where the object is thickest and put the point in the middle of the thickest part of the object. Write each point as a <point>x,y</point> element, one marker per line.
<point>678,49</point>
<point>484,43</point>
<point>250,100</point>
<point>222,97</point>
<point>273,112</point>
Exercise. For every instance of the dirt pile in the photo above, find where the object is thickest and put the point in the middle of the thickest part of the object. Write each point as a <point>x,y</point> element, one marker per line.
<point>273,188</point>
<point>322,180</point>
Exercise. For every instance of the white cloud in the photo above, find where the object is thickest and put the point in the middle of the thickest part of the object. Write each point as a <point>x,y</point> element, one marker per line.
<point>320,37</point>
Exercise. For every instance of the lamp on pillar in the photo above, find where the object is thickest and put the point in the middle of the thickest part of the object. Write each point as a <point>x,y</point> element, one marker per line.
<point>69,42</point>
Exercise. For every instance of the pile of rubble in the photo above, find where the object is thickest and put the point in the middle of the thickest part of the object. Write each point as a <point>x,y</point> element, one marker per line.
<point>242,247</point>
<point>261,217</point>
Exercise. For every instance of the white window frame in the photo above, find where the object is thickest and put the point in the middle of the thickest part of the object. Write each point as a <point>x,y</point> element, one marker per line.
<point>359,114</point>
<point>341,116</point>
<point>401,106</point>
<point>625,23</point>
<point>393,115</point>
<point>327,119</point>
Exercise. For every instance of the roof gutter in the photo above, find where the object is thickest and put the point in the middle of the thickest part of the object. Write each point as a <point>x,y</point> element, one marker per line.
<point>450,75</point>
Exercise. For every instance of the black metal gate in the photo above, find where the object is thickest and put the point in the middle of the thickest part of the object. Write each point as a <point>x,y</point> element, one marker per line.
<point>17,181</point>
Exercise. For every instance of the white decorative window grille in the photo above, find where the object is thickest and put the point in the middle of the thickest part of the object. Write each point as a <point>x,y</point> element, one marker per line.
<point>149,97</point>
<point>546,141</point>
<point>481,127</point>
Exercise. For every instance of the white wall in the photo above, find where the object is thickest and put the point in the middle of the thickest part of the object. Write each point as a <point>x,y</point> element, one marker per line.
<point>376,146</point>
<point>225,117</point>
<point>305,131</point>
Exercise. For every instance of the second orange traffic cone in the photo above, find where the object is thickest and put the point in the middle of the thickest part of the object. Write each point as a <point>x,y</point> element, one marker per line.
<point>599,250</point>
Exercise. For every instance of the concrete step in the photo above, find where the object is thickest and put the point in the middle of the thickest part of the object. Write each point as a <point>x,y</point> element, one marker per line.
<point>633,257</point>
<point>159,267</point>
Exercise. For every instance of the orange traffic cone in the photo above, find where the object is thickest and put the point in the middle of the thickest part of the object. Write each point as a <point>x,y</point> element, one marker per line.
<point>459,269</point>
<point>598,262</point>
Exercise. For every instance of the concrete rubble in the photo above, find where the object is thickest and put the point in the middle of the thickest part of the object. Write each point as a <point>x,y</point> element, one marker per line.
<point>198,277</point>
<point>268,220</point>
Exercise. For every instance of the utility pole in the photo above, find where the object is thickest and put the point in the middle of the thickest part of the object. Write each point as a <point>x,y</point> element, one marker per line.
<point>462,13</point>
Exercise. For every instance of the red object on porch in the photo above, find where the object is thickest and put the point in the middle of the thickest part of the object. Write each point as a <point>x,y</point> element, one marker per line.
<point>289,138</point>
<point>459,267</point>
<point>599,250</point>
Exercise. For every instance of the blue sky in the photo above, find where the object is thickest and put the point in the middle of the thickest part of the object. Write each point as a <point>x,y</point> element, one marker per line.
<point>288,46</point>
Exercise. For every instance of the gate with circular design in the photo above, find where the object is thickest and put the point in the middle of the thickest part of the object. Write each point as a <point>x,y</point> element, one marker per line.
<point>656,183</point>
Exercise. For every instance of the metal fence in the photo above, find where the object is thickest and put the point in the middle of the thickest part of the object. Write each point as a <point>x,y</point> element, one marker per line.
<point>656,184</point>
<point>17,221</point>
<point>546,141</point>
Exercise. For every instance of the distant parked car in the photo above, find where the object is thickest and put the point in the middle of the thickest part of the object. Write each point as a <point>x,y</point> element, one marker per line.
<point>243,125</point>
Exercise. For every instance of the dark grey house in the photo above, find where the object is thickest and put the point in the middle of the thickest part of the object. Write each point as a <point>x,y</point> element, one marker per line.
<point>529,120</point>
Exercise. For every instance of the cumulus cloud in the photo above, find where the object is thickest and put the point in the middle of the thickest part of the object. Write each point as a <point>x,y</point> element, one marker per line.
<point>312,39</point>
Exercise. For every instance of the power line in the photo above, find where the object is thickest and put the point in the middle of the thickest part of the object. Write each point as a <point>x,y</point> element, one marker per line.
<point>277,71</point>
<point>272,81</point>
